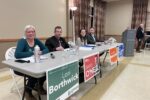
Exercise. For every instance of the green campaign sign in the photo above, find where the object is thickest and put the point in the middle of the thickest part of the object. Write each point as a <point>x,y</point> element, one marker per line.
<point>63,81</point>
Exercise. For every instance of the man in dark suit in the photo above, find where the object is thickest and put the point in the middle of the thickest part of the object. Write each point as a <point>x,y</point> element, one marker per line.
<point>91,37</point>
<point>140,37</point>
<point>56,42</point>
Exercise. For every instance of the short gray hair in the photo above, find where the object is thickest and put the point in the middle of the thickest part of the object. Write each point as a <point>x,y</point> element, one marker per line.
<point>28,26</point>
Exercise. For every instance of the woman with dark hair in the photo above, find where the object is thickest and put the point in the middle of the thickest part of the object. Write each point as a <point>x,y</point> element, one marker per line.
<point>82,39</point>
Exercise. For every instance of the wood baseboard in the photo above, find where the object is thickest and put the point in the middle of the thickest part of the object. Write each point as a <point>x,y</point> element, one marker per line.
<point>16,39</point>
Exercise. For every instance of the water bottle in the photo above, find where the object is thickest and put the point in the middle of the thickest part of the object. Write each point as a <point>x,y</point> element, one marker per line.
<point>78,42</point>
<point>36,54</point>
<point>85,42</point>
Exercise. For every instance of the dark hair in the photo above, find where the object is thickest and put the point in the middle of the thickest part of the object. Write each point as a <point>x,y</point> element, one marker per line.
<point>57,27</point>
<point>80,36</point>
<point>80,32</point>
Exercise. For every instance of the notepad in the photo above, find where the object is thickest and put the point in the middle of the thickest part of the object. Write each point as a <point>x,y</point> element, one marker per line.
<point>90,45</point>
<point>86,48</point>
<point>32,60</point>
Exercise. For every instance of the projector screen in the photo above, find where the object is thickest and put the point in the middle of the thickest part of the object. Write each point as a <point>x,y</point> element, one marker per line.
<point>43,14</point>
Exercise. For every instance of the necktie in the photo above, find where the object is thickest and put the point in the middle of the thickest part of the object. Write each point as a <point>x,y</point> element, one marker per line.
<point>93,37</point>
<point>59,42</point>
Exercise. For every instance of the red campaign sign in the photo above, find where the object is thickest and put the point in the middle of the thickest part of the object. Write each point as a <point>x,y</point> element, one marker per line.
<point>91,67</point>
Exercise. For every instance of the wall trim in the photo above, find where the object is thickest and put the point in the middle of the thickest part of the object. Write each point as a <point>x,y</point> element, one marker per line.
<point>16,39</point>
<point>112,35</point>
<point>44,38</point>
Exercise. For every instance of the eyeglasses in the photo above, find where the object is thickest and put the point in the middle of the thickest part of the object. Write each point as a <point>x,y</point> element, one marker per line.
<point>30,31</point>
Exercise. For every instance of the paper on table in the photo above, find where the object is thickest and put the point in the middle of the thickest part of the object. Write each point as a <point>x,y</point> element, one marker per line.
<point>32,60</point>
<point>42,57</point>
<point>90,45</point>
<point>67,49</point>
<point>85,48</point>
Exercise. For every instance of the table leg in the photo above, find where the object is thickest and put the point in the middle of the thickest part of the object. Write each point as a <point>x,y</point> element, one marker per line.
<point>105,57</point>
<point>100,73</point>
<point>95,79</point>
<point>24,87</point>
<point>117,62</point>
<point>38,88</point>
<point>99,65</point>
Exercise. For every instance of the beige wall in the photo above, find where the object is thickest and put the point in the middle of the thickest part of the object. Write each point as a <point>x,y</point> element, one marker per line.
<point>118,16</point>
<point>43,14</point>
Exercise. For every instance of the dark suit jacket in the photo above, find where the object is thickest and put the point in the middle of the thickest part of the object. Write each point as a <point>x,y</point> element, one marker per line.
<point>90,39</point>
<point>52,43</point>
<point>139,34</point>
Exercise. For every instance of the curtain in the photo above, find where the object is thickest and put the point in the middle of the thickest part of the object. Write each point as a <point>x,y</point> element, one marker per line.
<point>81,15</point>
<point>139,13</point>
<point>99,18</point>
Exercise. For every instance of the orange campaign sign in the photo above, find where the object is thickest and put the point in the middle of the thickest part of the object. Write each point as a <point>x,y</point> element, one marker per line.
<point>113,51</point>
<point>114,59</point>
<point>91,67</point>
<point>113,55</point>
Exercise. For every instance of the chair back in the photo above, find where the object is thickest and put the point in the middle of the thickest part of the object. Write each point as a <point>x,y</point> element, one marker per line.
<point>9,55</point>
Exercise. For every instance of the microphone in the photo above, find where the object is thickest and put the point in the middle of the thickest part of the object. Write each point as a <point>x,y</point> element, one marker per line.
<point>52,55</point>
<point>22,61</point>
